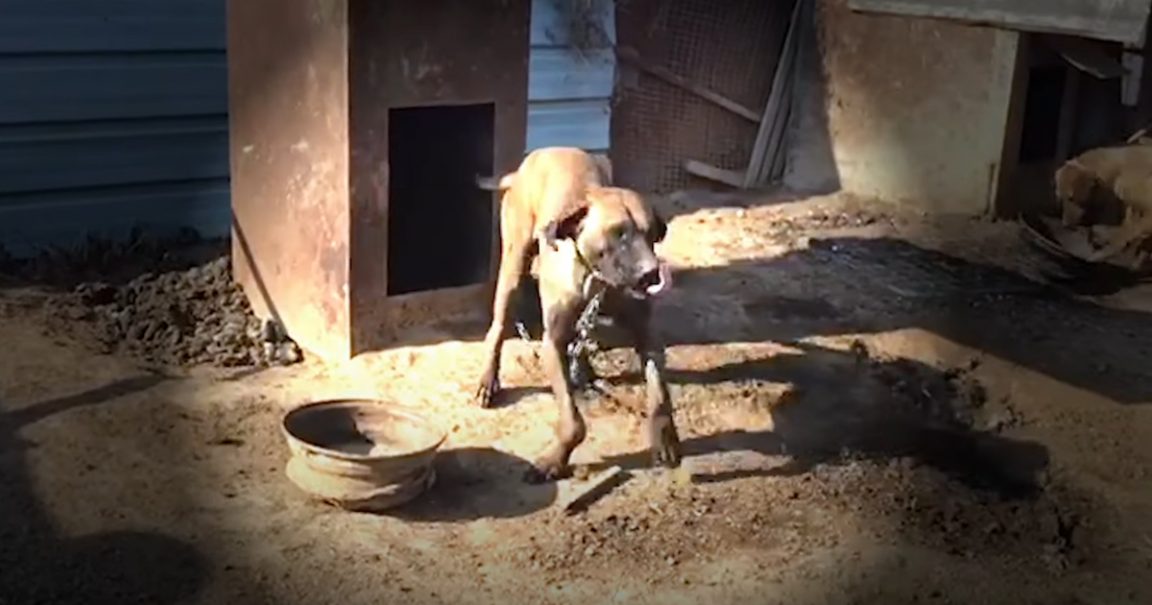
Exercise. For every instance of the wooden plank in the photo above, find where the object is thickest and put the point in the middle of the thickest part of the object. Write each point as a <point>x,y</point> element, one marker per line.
<point>586,492</point>
<point>630,56</point>
<point>760,148</point>
<point>779,130</point>
<point>774,168</point>
<point>777,154</point>
<point>712,173</point>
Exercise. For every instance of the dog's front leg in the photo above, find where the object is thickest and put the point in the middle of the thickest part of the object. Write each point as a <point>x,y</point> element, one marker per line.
<point>559,320</point>
<point>513,260</point>
<point>663,438</point>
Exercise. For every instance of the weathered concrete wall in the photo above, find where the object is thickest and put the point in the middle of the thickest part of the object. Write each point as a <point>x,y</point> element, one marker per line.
<point>916,109</point>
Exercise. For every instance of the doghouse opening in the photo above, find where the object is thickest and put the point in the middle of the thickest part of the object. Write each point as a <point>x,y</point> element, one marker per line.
<point>1039,140</point>
<point>439,221</point>
<point>1041,120</point>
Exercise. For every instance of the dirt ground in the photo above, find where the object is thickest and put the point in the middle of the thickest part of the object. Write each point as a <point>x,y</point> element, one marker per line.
<point>877,408</point>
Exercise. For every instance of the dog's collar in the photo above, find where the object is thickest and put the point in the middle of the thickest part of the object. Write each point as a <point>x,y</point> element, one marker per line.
<point>593,273</point>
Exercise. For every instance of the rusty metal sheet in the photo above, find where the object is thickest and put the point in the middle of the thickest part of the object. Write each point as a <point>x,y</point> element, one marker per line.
<point>1114,20</point>
<point>288,98</point>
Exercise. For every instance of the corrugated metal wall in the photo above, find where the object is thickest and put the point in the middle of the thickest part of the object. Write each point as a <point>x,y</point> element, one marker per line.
<point>112,113</point>
<point>570,91</point>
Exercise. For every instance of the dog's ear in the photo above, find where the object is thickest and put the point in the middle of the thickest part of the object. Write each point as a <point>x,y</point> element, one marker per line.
<point>564,228</point>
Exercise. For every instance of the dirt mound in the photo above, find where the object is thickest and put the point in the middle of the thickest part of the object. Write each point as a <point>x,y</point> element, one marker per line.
<point>178,318</point>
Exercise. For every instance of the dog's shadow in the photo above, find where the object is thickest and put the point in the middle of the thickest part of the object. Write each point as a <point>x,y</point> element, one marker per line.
<point>478,483</point>
<point>844,407</point>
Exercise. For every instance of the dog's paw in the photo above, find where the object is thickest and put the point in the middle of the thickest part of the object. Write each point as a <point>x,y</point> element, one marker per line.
<point>547,470</point>
<point>486,392</point>
<point>665,441</point>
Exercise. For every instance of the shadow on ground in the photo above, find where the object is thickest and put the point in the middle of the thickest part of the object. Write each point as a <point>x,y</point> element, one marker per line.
<point>479,483</point>
<point>42,566</point>
<point>845,407</point>
<point>860,285</point>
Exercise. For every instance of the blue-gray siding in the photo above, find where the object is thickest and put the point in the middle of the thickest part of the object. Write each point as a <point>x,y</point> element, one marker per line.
<point>113,113</point>
<point>569,92</point>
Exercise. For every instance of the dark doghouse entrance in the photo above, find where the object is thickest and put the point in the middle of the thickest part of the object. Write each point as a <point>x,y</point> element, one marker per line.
<point>439,221</point>
<point>1041,121</point>
<point>1064,112</point>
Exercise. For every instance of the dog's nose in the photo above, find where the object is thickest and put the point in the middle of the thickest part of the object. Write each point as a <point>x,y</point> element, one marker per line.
<point>654,281</point>
<point>650,279</point>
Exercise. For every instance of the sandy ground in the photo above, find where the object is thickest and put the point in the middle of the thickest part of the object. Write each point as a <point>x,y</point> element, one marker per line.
<point>877,408</point>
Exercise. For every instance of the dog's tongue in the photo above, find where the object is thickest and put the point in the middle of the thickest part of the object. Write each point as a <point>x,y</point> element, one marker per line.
<point>664,284</point>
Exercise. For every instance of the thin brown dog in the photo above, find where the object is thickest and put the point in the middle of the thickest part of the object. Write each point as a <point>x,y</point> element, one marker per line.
<point>1122,172</point>
<point>581,237</point>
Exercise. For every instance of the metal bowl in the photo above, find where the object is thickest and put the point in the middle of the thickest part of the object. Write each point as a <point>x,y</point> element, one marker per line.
<point>361,454</point>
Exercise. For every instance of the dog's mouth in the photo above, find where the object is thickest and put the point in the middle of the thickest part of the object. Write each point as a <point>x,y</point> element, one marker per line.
<point>654,282</point>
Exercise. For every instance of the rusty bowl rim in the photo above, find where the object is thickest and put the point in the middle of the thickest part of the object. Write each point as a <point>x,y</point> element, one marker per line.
<point>406,411</point>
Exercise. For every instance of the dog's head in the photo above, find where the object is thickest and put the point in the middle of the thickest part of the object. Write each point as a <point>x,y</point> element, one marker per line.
<point>615,231</point>
<point>1075,186</point>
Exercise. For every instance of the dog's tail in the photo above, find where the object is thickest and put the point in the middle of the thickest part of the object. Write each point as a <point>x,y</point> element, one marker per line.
<point>491,183</point>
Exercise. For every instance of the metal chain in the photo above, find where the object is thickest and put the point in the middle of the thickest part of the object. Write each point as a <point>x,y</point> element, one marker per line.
<point>522,331</point>
<point>583,340</point>
<point>584,325</point>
